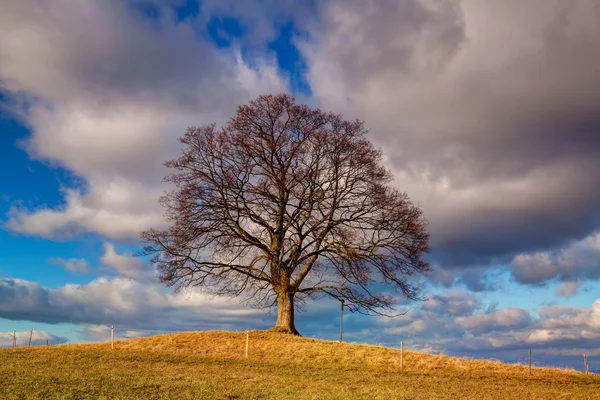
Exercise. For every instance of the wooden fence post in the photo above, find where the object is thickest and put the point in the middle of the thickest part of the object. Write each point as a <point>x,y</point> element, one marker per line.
<point>247,340</point>
<point>585,363</point>
<point>112,336</point>
<point>14,339</point>
<point>529,362</point>
<point>401,355</point>
<point>47,342</point>
<point>30,335</point>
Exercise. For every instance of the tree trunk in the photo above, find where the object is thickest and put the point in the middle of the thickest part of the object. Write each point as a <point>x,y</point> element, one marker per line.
<point>285,313</point>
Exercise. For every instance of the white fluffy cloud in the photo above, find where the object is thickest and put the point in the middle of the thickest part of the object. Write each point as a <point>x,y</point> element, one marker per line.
<point>577,261</point>
<point>558,334</point>
<point>74,265</point>
<point>119,210</point>
<point>509,318</point>
<point>106,92</point>
<point>127,266</point>
<point>123,302</point>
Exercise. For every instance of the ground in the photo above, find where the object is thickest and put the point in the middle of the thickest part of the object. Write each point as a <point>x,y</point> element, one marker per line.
<point>212,365</point>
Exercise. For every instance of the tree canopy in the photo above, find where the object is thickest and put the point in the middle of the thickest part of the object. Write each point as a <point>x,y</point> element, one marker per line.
<point>286,202</point>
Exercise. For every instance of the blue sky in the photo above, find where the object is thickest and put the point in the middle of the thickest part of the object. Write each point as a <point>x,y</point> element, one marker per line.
<point>487,116</point>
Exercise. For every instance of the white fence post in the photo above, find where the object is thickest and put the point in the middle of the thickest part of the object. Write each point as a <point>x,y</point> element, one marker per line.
<point>247,340</point>
<point>401,355</point>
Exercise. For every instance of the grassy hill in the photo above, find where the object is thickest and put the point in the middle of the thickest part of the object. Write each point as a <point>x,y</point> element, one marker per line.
<point>211,365</point>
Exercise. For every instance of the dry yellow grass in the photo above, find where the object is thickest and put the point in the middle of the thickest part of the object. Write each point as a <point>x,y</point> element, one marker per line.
<point>212,365</point>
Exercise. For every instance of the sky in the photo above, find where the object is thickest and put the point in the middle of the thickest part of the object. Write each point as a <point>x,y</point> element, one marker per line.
<point>487,112</point>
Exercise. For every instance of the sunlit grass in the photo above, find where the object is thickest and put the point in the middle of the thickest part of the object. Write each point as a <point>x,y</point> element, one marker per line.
<point>200,365</point>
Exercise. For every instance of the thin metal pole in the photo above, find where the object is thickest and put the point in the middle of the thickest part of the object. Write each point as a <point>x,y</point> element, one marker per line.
<point>529,362</point>
<point>585,363</point>
<point>341,319</point>
<point>14,339</point>
<point>401,355</point>
<point>112,329</point>
<point>30,335</point>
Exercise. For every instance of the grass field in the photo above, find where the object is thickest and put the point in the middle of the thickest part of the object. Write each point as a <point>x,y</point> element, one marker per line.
<point>211,365</point>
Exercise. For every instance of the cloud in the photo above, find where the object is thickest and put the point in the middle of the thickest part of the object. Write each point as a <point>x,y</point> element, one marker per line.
<point>126,266</point>
<point>107,210</point>
<point>577,261</point>
<point>74,265</point>
<point>125,303</point>
<point>487,114</point>
<point>455,304</point>
<point>259,19</point>
<point>453,322</point>
<point>557,335</point>
<point>38,338</point>
<point>483,322</point>
<point>567,289</point>
<point>105,93</point>
<point>490,125</point>
<point>431,326</point>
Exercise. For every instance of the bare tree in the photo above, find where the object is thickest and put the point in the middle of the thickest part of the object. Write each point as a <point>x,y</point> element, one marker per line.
<point>287,202</point>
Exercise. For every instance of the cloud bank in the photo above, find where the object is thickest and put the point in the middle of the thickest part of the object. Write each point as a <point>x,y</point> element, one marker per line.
<point>455,322</point>
<point>120,301</point>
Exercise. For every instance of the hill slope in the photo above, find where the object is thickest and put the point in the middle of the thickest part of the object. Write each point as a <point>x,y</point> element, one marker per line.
<point>203,365</point>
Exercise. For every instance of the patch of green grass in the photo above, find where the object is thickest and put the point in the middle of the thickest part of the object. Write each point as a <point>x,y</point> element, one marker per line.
<point>211,365</point>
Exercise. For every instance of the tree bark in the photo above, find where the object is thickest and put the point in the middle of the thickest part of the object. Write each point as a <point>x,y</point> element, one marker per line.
<point>285,313</point>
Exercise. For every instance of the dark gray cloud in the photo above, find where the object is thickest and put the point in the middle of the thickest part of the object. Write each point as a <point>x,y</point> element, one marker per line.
<point>138,59</point>
<point>488,114</point>
<point>569,266</point>
<point>472,277</point>
<point>391,36</point>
